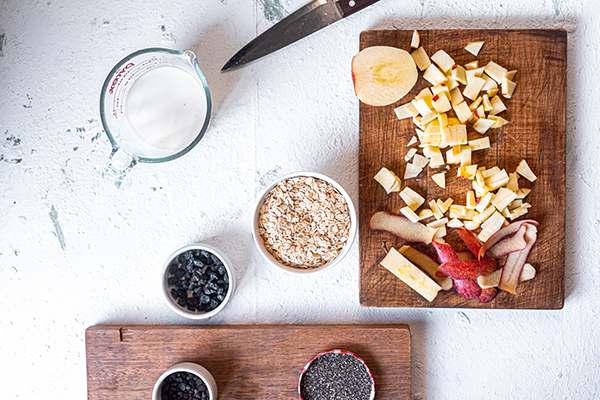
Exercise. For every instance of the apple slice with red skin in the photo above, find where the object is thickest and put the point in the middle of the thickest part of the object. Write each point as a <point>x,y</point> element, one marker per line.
<point>504,232</point>
<point>401,227</point>
<point>467,288</point>
<point>468,269</point>
<point>509,244</point>
<point>470,240</point>
<point>445,252</point>
<point>487,295</point>
<point>515,262</point>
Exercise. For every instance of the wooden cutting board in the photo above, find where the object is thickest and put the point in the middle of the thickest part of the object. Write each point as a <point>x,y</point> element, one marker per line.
<point>536,132</point>
<point>247,361</point>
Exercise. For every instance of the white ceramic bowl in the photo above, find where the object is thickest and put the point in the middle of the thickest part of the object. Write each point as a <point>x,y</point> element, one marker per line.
<point>172,303</point>
<point>269,257</point>
<point>192,368</point>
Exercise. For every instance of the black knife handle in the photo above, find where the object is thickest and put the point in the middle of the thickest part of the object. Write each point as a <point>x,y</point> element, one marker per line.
<point>349,7</point>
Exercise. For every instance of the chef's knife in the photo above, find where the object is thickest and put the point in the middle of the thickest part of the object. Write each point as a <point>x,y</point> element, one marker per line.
<point>307,20</point>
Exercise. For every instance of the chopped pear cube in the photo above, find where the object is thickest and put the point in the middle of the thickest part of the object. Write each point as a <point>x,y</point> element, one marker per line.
<point>484,202</point>
<point>463,112</point>
<point>508,88</point>
<point>487,104</point>
<point>389,180</point>
<point>480,144</point>
<point>437,212</point>
<point>497,180</point>
<point>412,171</point>
<point>410,154</point>
<point>412,198</point>
<point>480,217</point>
<point>519,211</point>
<point>522,193</point>
<point>425,213</point>
<point>418,280</point>
<point>471,203</point>
<point>451,158</point>
<point>459,74</point>
<point>498,121</point>
<point>440,87</point>
<point>437,223</point>
<point>476,103</point>
<point>472,65</point>
<point>474,47</point>
<point>441,103</point>
<point>495,71</point>
<point>510,75</point>
<point>471,73</point>
<point>491,226</point>
<point>440,179</point>
<point>442,59</point>
<point>473,88</point>
<point>434,76</point>
<point>457,134</point>
<point>407,110</point>
<point>455,223</point>
<point>491,171</point>
<point>503,198</point>
<point>413,140</point>
<point>421,58</point>
<point>483,124</point>
<point>410,214</point>
<point>497,105</point>
<point>526,172</point>
<point>446,204</point>
<point>456,97</point>
<point>465,156</point>
<point>416,39</point>
<point>422,107</point>
<point>471,225</point>
<point>419,161</point>
<point>467,172</point>
<point>489,84</point>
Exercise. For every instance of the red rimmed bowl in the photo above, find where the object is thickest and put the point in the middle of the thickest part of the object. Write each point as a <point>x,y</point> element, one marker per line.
<point>365,391</point>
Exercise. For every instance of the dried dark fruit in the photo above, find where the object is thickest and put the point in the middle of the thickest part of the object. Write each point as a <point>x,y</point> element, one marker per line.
<point>201,281</point>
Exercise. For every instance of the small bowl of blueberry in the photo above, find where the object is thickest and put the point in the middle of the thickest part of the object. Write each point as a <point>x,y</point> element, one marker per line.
<point>198,281</point>
<point>185,381</point>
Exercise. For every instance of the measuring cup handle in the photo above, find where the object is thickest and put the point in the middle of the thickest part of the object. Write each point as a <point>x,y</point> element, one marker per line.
<point>118,166</point>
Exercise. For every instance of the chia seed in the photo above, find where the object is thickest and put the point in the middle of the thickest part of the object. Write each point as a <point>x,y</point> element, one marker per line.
<point>336,376</point>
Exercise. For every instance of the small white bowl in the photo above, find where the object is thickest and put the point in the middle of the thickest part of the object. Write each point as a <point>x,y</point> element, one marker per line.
<point>269,257</point>
<point>172,303</point>
<point>192,368</point>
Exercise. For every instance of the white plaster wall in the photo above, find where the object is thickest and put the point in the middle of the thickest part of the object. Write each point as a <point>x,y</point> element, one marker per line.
<point>75,252</point>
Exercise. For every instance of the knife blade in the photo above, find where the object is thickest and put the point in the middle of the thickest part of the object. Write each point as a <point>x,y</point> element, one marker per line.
<point>305,21</point>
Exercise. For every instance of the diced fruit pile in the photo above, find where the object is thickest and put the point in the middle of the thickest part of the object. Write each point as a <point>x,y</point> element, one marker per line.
<point>198,280</point>
<point>495,198</point>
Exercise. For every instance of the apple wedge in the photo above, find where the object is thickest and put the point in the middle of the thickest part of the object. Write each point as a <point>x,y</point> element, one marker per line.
<point>382,75</point>
<point>467,288</point>
<point>445,252</point>
<point>468,269</point>
<point>509,244</point>
<point>504,232</point>
<point>515,262</point>
<point>401,227</point>
<point>487,295</point>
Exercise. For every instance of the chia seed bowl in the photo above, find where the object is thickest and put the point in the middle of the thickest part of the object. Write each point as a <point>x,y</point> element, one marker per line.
<point>197,281</point>
<point>336,375</point>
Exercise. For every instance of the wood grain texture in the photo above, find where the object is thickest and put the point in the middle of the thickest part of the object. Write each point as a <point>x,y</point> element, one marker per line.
<point>536,132</point>
<point>247,361</point>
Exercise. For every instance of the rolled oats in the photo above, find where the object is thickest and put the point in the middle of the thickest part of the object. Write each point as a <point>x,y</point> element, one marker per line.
<point>304,222</point>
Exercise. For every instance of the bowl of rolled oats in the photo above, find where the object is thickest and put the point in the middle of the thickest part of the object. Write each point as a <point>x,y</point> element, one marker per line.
<point>304,222</point>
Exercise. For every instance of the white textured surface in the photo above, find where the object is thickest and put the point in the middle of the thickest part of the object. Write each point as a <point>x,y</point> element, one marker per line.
<point>75,252</point>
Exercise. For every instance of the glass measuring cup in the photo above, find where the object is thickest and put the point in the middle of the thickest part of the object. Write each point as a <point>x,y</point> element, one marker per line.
<point>128,147</point>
